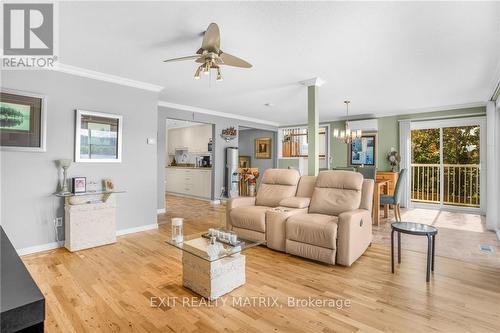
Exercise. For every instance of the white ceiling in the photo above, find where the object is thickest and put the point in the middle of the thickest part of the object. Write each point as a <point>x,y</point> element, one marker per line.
<point>386,57</point>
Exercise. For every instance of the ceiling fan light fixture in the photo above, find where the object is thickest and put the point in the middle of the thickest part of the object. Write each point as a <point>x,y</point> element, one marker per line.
<point>219,76</point>
<point>197,74</point>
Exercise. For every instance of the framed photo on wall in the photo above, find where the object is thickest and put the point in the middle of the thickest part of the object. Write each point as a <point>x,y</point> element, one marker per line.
<point>363,151</point>
<point>244,162</point>
<point>98,137</point>
<point>263,148</point>
<point>22,121</point>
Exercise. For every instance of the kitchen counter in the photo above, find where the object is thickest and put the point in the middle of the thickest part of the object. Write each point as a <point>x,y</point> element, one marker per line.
<point>188,167</point>
<point>189,180</point>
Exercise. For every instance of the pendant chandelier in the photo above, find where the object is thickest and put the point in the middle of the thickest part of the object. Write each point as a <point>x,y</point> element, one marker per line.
<point>346,135</point>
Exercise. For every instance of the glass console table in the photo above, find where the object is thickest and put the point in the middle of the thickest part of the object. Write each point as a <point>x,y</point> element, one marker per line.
<point>90,219</point>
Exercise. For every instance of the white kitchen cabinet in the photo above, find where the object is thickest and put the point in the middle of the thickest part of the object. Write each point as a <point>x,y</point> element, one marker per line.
<point>189,181</point>
<point>194,138</point>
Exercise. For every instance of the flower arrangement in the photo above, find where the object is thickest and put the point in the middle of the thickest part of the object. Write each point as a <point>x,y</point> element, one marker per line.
<point>248,179</point>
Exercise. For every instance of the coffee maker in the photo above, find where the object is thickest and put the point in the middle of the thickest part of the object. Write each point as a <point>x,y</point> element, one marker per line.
<point>206,162</point>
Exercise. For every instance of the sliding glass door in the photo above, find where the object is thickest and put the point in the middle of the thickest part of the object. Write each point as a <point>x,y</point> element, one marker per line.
<point>446,160</point>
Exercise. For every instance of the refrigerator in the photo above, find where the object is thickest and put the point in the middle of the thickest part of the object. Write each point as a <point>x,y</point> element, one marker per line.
<point>232,177</point>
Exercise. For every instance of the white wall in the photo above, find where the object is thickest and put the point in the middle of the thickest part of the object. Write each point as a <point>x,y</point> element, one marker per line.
<point>28,179</point>
<point>497,165</point>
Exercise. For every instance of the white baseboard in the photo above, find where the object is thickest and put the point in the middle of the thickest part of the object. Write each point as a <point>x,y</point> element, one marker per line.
<point>137,229</point>
<point>39,248</point>
<point>161,211</point>
<point>55,245</point>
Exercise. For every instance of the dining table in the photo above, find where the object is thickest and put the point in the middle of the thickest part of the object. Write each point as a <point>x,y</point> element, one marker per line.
<point>381,187</point>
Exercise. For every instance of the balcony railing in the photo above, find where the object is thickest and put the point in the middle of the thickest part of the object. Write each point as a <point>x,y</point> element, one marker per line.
<point>461,184</point>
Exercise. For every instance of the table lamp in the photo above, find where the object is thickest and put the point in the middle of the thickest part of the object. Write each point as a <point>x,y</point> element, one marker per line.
<point>65,164</point>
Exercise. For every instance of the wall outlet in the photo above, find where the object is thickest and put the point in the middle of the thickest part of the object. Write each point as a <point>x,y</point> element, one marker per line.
<point>58,221</point>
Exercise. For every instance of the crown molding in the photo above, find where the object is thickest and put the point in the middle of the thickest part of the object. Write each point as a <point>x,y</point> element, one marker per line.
<point>83,72</point>
<point>315,81</point>
<point>395,113</point>
<point>215,113</point>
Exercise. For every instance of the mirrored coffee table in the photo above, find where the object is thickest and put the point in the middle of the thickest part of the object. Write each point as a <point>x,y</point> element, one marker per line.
<point>214,275</point>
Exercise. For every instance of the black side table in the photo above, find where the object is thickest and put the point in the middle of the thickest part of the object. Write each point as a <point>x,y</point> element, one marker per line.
<point>417,229</point>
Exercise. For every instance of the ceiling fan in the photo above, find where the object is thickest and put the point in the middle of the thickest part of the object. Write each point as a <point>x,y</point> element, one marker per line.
<point>211,56</point>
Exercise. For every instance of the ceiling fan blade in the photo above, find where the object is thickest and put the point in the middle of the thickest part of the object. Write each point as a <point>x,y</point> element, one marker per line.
<point>183,58</point>
<point>211,39</point>
<point>230,60</point>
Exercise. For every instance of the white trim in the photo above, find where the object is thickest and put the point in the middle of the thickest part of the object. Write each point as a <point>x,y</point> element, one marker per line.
<point>215,202</point>
<point>39,248</point>
<point>137,229</point>
<point>491,168</point>
<point>403,113</point>
<point>43,122</point>
<point>405,153</point>
<point>73,70</point>
<point>161,211</point>
<point>470,121</point>
<point>425,124</point>
<point>56,245</point>
<point>214,113</point>
<point>315,81</point>
<point>78,124</point>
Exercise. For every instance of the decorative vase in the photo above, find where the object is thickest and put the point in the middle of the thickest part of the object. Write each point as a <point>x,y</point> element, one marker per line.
<point>177,233</point>
<point>251,190</point>
<point>213,248</point>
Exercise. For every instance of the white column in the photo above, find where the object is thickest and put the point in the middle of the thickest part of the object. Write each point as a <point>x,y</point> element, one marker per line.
<point>405,153</point>
<point>313,123</point>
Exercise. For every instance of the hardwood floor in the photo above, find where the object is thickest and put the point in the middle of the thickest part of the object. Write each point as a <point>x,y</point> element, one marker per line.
<point>109,289</point>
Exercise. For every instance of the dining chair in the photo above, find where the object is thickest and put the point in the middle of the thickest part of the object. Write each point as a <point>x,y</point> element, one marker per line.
<point>394,199</point>
<point>368,172</point>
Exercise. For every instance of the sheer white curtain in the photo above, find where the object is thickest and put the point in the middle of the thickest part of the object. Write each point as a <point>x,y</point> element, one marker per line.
<point>405,152</point>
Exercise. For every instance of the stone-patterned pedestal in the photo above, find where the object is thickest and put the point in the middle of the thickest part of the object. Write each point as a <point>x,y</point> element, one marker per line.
<point>89,224</point>
<point>212,279</point>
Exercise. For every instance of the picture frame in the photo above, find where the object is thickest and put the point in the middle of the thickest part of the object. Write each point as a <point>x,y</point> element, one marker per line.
<point>22,121</point>
<point>244,161</point>
<point>98,137</point>
<point>79,184</point>
<point>363,151</point>
<point>263,148</point>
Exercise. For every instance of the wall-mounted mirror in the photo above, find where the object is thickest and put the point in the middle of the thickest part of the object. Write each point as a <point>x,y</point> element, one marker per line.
<point>98,137</point>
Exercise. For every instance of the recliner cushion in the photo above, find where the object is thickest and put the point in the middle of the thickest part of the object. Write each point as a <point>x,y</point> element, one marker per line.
<point>315,229</point>
<point>271,195</point>
<point>336,192</point>
<point>249,217</point>
<point>281,177</point>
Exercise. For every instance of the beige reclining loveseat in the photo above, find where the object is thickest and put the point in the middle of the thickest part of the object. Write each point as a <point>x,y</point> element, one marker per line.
<point>325,218</point>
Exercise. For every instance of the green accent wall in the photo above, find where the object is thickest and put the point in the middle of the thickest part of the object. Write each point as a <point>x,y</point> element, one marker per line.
<point>388,134</point>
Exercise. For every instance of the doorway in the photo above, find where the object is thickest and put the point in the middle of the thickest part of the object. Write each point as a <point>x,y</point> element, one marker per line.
<point>446,159</point>
<point>189,163</point>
